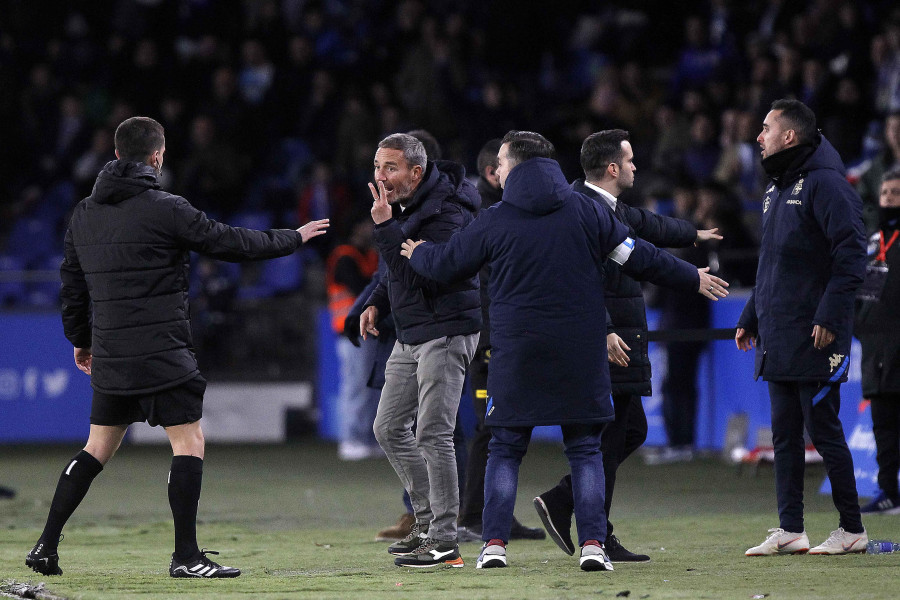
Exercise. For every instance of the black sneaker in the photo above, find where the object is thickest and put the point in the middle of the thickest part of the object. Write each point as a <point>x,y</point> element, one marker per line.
<point>618,553</point>
<point>43,562</point>
<point>432,553</point>
<point>521,532</point>
<point>467,534</point>
<point>413,540</point>
<point>557,521</point>
<point>201,567</point>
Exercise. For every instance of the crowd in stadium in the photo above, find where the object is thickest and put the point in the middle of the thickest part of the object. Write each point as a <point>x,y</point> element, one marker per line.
<point>273,108</point>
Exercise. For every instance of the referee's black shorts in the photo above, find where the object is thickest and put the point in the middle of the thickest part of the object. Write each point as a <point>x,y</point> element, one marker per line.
<point>173,406</point>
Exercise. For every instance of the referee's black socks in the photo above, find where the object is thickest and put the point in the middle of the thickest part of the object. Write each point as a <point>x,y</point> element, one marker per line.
<point>185,479</point>
<point>73,484</point>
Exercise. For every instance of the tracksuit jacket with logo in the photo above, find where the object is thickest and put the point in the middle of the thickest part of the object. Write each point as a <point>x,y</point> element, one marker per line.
<point>812,259</point>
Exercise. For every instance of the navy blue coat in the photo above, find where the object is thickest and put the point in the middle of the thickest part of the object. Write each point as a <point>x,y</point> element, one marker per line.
<point>545,245</point>
<point>424,309</point>
<point>812,259</point>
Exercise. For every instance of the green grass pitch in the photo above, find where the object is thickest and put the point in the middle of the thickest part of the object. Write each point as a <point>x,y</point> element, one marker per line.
<point>301,524</point>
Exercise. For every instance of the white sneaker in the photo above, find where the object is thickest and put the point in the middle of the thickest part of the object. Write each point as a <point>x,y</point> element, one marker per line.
<point>594,558</point>
<point>354,451</point>
<point>781,542</point>
<point>842,542</point>
<point>491,556</point>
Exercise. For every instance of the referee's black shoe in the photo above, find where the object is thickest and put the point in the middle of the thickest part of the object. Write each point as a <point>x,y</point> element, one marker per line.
<point>618,553</point>
<point>201,567</point>
<point>43,562</point>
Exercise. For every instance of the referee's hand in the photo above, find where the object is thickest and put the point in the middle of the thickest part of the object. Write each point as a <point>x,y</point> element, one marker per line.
<point>83,359</point>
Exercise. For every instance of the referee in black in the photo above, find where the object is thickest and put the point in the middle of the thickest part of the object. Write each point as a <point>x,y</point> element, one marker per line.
<point>125,309</point>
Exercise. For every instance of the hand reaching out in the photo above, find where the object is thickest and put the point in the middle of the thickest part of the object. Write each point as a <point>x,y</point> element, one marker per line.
<point>704,235</point>
<point>711,286</point>
<point>313,229</point>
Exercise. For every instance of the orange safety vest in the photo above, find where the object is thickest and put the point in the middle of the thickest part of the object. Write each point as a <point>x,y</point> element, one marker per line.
<point>340,298</point>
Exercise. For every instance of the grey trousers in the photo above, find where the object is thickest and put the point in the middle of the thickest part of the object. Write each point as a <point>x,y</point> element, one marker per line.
<point>423,383</point>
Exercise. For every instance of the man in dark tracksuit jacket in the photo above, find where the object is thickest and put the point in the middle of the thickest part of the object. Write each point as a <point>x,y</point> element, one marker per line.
<point>800,317</point>
<point>546,245</point>
<point>437,329</point>
<point>125,309</point>
<point>608,162</point>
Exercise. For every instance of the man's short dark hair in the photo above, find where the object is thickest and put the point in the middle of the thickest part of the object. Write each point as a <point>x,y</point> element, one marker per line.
<point>139,137</point>
<point>429,142</point>
<point>891,175</point>
<point>487,156</point>
<point>525,145</point>
<point>413,150</point>
<point>797,116</point>
<point>601,149</point>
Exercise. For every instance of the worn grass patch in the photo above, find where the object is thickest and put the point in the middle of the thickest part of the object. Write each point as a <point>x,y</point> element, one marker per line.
<point>300,524</point>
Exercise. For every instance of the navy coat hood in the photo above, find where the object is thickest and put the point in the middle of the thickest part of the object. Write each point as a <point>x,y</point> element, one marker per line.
<point>537,186</point>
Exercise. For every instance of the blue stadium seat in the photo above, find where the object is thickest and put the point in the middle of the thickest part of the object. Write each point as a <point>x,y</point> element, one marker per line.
<point>44,293</point>
<point>12,290</point>
<point>33,240</point>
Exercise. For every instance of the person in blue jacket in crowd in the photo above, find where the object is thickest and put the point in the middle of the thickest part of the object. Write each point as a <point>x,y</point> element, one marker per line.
<point>800,319</point>
<point>546,245</point>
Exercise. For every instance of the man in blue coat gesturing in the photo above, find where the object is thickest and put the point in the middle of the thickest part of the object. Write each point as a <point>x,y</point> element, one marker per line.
<point>800,318</point>
<point>546,245</point>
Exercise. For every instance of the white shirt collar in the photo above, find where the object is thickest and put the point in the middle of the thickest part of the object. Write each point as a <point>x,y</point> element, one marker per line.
<point>610,199</point>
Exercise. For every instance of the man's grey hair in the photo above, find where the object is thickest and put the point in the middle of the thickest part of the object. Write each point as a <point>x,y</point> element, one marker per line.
<point>413,150</point>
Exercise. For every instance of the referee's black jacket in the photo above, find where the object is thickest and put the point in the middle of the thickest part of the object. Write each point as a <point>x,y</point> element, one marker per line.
<point>125,277</point>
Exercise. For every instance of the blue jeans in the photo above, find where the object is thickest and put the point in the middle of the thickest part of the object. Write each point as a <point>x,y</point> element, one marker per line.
<point>795,404</point>
<point>506,449</point>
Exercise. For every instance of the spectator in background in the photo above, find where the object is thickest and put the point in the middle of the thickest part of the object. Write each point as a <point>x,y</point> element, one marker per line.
<point>812,259</point>
<point>878,329</point>
<point>680,310</point>
<point>887,160</point>
<point>214,172</point>
<point>324,196</point>
<point>350,267</point>
<point>86,167</point>
<point>734,257</point>
<point>703,151</point>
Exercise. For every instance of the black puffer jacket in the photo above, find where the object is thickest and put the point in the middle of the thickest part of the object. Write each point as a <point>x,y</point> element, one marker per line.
<point>444,203</point>
<point>125,277</point>
<point>624,297</point>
